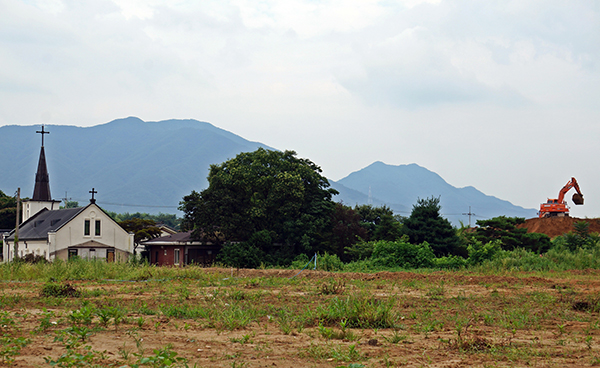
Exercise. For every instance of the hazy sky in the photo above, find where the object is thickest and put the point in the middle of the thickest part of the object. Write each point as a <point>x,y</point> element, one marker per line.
<point>500,95</point>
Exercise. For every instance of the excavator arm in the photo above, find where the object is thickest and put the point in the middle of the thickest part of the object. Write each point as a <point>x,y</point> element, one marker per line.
<point>577,197</point>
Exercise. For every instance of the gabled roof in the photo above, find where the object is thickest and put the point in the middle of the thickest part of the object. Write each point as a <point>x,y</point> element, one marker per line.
<point>177,238</point>
<point>39,225</point>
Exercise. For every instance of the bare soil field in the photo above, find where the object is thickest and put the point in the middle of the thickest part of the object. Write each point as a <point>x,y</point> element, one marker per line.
<point>268,318</point>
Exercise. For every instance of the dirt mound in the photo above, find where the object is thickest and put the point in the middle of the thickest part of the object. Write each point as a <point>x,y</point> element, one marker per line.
<point>555,226</point>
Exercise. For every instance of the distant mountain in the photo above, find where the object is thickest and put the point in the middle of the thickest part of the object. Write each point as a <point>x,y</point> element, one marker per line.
<point>400,186</point>
<point>128,161</point>
<point>149,167</point>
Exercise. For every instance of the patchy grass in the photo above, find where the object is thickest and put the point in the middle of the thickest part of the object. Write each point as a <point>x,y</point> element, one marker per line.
<point>207,317</point>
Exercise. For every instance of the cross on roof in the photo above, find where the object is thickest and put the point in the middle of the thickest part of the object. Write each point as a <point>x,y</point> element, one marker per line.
<point>42,132</point>
<point>93,192</point>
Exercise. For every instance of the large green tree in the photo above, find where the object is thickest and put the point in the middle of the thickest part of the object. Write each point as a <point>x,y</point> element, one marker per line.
<point>345,231</point>
<point>267,192</point>
<point>425,224</point>
<point>380,222</point>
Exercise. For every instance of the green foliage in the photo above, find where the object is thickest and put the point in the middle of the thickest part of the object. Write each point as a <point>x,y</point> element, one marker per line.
<point>142,230</point>
<point>162,358</point>
<point>402,254</point>
<point>259,191</point>
<point>357,311</point>
<point>329,262</point>
<point>479,252</point>
<point>240,255</point>
<point>379,222</point>
<point>450,262</point>
<point>504,230</point>
<point>425,224</point>
<point>580,237</point>
<point>360,250</point>
<point>53,289</point>
<point>8,211</point>
<point>345,231</point>
<point>10,347</point>
<point>162,218</point>
<point>70,204</point>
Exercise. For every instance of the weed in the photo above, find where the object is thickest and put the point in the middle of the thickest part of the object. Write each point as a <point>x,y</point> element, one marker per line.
<point>11,347</point>
<point>359,312</point>
<point>82,316</point>
<point>397,337</point>
<point>333,287</point>
<point>436,292</point>
<point>245,339</point>
<point>164,357</point>
<point>335,352</point>
<point>46,321</point>
<point>6,321</point>
<point>53,289</point>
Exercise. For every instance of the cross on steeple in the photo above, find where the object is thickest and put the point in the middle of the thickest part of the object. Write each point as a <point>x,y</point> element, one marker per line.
<point>93,192</point>
<point>42,132</point>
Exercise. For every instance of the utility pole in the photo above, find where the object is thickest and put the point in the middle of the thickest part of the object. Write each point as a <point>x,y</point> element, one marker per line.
<point>470,214</point>
<point>16,248</point>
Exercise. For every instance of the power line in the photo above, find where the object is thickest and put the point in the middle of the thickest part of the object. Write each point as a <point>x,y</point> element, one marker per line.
<point>128,204</point>
<point>136,205</point>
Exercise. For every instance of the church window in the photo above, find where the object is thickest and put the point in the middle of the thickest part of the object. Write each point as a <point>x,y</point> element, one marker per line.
<point>86,228</point>
<point>97,224</point>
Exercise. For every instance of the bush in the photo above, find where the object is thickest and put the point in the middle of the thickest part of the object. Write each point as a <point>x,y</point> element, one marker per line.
<point>329,262</point>
<point>479,252</point>
<point>450,262</point>
<point>400,253</point>
<point>240,255</point>
<point>53,289</point>
<point>33,259</point>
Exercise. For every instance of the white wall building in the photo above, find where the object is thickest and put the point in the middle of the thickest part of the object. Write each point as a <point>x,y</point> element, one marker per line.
<point>54,233</point>
<point>87,232</point>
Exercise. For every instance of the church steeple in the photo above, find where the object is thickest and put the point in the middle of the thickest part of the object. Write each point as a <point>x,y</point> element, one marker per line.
<point>41,191</point>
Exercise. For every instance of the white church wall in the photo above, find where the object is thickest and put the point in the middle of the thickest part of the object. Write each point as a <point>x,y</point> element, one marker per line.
<point>92,224</point>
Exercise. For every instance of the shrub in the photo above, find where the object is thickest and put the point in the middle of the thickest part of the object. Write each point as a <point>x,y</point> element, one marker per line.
<point>53,289</point>
<point>240,255</point>
<point>450,262</point>
<point>400,253</point>
<point>33,259</point>
<point>479,252</point>
<point>329,262</point>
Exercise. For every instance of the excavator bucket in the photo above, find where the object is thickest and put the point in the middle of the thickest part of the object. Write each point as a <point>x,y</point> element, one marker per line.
<point>577,198</point>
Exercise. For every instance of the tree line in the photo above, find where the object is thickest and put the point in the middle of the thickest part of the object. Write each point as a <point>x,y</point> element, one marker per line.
<point>271,208</point>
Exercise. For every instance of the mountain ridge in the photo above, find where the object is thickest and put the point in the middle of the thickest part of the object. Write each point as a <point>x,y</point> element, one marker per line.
<point>417,182</point>
<point>154,164</point>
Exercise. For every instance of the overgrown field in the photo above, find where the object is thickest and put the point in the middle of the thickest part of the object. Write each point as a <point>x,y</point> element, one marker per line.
<point>94,314</point>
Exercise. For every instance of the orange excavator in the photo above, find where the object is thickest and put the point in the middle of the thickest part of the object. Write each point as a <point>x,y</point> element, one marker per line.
<point>558,207</point>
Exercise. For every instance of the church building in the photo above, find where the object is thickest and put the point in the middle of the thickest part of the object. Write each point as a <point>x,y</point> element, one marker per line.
<point>54,233</point>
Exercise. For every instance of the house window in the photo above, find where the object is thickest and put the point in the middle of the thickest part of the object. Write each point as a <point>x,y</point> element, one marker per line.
<point>72,253</point>
<point>86,228</point>
<point>97,224</point>
<point>176,257</point>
